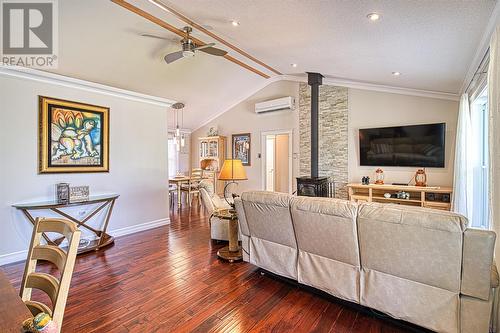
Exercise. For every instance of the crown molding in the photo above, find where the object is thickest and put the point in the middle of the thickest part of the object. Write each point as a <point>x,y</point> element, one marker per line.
<point>482,47</point>
<point>341,83</point>
<point>377,87</point>
<point>66,81</point>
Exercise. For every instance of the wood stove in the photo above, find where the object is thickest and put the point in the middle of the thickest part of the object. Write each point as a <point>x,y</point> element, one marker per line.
<point>315,186</point>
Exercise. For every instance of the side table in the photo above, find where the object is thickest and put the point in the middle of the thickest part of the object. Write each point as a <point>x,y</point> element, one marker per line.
<point>232,252</point>
<point>106,201</point>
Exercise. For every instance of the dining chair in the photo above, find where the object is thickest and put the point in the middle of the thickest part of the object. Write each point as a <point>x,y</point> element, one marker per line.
<point>56,288</point>
<point>192,187</point>
<point>172,189</point>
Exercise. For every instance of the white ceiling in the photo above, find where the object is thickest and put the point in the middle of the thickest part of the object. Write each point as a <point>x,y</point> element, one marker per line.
<point>431,42</point>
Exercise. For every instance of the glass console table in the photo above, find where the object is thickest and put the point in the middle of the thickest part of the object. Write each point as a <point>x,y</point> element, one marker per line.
<point>105,202</point>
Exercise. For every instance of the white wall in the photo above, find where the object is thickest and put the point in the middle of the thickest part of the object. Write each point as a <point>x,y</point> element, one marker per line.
<point>243,119</point>
<point>379,109</point>
<point>138,160</point>
<point>366,109</point>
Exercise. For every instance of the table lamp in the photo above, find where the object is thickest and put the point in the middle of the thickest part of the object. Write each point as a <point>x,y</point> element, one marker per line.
<point>231,171</point>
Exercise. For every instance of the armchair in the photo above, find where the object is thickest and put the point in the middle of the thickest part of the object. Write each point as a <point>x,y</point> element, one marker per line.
<point>212,202</point>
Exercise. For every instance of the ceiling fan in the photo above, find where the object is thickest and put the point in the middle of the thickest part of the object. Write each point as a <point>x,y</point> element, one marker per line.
<point>189,47</point>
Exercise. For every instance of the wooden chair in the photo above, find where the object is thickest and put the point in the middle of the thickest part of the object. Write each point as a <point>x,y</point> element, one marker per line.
<point>56,289</point>
<point>172,189</point>
<point>192,188</point>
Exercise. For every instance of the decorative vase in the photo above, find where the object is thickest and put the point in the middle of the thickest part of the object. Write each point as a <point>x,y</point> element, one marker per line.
<point>379,177</point>
<point>420,178</point>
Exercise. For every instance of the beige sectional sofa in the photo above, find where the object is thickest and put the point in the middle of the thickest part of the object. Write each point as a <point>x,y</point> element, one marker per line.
<point>419,265</point>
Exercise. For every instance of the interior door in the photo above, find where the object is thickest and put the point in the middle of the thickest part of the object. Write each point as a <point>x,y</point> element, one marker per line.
<point>281,163</point>
<point>270,154</point>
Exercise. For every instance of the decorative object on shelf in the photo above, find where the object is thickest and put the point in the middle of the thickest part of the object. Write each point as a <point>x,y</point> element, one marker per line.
<point>379,176</point>
<point>403,195</point>
<point>78,193</point>
<point>73,137</point>
<point>179,138</point>
<point>420,178</point>
<point>231,171</point>
<point>365,180</point>
<point>387,195</point>
<point>241,148</point>
<point>62,193</point>
<point>212,131</point>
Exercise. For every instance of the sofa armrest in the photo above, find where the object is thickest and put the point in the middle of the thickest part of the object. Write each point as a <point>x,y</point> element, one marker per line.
<point>478,263</point>
<point>238,205</point>
<point>494,276</point>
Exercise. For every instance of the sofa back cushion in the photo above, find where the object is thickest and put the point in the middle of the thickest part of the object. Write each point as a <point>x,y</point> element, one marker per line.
<point>326,227</point>
<point>412,243</point>
<point>272,243</point>
<point>328,245</point>
<point>268,216</point>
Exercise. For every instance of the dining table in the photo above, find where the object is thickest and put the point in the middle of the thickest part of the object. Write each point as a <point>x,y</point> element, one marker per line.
<point>13,311</point>
<point>178,181</point>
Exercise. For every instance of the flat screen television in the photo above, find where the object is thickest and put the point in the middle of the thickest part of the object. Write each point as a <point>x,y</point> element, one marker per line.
<point>410,146</point>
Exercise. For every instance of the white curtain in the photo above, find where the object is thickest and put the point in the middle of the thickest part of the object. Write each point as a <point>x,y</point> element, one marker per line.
<point>494,135</point>
<point>463,176</point>
<point>494,144</point>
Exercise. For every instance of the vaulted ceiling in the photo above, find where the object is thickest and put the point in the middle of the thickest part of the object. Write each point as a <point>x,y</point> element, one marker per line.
<point>432,43</point>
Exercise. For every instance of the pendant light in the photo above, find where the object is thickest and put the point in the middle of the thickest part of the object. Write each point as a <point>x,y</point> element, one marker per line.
<point>179,139</point>
<point>182,123</point>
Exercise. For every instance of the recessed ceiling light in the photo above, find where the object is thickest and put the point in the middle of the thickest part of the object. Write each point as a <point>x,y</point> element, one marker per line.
<point>293,65</point>
<point>373,16</point>
<point>396,73</point>
<point>235,23</point>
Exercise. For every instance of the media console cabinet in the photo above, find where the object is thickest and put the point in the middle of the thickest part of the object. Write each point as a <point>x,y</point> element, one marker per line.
<point>437,197</point>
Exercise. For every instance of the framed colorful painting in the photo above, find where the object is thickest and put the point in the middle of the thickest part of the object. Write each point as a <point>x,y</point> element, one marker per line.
<point>73,137</point>
<point>241,148</point>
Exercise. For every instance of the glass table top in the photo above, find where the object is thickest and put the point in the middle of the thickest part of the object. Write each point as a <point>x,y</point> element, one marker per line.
<point>55,203</point>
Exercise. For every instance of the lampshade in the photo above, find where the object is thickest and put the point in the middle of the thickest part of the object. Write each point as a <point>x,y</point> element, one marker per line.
<point>232,170</point>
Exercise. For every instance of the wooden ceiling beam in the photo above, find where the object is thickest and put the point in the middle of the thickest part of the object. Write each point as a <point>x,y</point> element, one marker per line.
<point>181,33</point>
<point>190,22</point>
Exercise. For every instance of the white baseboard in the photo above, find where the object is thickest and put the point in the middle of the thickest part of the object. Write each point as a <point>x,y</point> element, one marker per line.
<point>139,227</point>
<point>13,257</point>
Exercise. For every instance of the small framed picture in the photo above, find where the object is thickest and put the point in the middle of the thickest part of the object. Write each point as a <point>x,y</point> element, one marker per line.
<point>241,148</point>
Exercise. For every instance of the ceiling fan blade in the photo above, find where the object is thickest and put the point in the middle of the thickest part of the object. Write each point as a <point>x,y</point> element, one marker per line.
<point>171,57</point>
<point>204,46</point>
<point>214,51</point>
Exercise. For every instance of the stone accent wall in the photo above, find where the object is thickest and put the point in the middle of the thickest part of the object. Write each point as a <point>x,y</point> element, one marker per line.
<point>333,132</point>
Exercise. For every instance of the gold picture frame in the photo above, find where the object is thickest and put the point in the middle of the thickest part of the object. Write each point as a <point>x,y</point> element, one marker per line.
<point>73,137</point>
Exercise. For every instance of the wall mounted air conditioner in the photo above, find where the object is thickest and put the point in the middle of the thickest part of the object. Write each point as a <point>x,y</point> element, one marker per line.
<point>284,103</point>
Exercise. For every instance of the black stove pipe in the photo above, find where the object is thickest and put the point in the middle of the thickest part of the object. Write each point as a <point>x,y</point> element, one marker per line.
<point>314,80</point>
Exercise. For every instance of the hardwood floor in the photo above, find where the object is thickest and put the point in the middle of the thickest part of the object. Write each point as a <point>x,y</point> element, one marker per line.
<point>169,279</point>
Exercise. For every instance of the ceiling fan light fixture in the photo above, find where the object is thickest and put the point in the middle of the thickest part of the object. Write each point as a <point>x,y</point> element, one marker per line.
<point>187,53</point>
<point>374,17</point>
